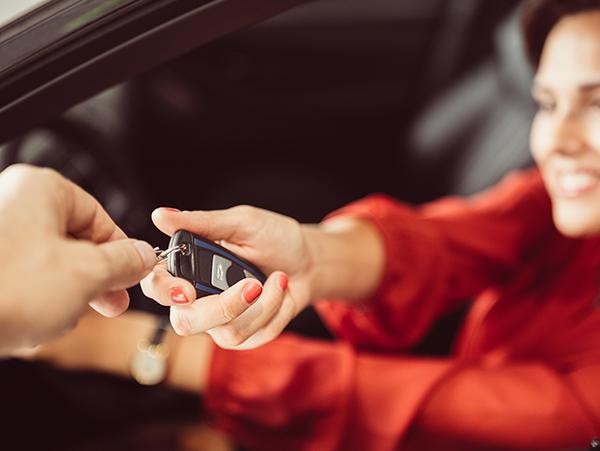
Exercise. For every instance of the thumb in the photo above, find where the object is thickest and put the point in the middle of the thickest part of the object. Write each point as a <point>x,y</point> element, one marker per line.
<point>124,263</point>
<point>213,225</point>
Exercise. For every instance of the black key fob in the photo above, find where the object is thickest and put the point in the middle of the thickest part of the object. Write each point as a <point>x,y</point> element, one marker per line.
<point>206,265</point>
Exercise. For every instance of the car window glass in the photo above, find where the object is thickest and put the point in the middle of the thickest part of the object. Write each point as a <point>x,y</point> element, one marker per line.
<point>36,29</point>
<point>12,9</point>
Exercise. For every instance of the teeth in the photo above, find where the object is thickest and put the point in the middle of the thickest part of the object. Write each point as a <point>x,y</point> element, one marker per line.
<point>576,181</point>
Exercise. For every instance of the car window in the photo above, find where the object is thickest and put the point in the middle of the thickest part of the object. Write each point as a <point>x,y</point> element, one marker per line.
<point>66,50</point>
<point>12,9</point>
<point>40,26</point>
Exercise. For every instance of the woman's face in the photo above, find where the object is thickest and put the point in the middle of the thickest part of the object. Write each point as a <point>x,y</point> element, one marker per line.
<point>565,136</point>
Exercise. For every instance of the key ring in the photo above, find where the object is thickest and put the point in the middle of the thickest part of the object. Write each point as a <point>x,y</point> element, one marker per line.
<point>161,256</point>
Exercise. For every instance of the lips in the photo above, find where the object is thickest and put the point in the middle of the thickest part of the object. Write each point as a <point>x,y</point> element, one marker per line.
<point>578,182</point>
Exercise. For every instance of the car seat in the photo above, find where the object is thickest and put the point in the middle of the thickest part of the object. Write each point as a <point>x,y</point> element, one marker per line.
<point>477,130</point>
<point>466,140</point>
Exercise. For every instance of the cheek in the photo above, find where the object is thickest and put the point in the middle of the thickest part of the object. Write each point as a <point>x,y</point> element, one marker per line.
<point>538,138</point>
<point>592,132</point>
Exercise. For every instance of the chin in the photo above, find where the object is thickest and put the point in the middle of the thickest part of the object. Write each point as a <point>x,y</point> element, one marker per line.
<point>576,222</point>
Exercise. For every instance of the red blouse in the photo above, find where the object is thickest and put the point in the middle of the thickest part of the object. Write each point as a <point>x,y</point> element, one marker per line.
<point>525,372</point>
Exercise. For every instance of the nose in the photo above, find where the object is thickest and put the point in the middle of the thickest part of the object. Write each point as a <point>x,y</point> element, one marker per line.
<point>566,136</point>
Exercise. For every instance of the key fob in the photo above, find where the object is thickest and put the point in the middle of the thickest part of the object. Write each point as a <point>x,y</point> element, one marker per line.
<point>206,265</point>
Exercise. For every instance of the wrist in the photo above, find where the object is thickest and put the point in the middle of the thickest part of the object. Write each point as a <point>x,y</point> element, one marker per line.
<point>347,259</point>
<point>313,237</point>
<point>108,345</point>
<point>190,364</point>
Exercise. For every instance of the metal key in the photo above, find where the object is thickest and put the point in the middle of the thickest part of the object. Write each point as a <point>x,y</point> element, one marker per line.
<point>162,256</point>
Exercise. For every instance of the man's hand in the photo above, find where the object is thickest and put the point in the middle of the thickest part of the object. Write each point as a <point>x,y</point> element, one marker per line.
<point>60,250</point>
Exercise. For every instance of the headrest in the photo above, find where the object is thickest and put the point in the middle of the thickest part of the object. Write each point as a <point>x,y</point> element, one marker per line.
<point>515,70</point>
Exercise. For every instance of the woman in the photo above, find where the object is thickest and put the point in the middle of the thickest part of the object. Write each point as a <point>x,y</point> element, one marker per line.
<point>524,373</point>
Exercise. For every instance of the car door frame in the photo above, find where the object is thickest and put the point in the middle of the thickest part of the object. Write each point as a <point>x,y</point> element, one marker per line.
<point>49,96</point>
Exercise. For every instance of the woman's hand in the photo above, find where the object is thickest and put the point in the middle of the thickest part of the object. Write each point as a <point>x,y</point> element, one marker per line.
<point>246,315</point>
<point>60,250</point>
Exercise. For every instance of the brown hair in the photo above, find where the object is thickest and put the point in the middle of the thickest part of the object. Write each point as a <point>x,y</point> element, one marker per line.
<point>540,16</point>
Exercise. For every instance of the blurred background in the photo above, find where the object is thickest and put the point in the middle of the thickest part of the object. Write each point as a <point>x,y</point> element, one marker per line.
<point>301,114</point>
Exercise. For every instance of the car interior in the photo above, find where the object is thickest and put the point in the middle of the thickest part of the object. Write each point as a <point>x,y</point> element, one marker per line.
<point>299,108</point>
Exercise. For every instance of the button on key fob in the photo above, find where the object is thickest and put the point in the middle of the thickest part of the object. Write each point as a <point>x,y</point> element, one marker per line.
<point>206,265</point>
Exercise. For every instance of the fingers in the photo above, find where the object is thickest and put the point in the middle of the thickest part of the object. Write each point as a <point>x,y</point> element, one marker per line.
<point>215,310</point>
<point>128,261</point>
<point>214,225</point>
<point>78,213</point>
<point>265,334</point>
<point>261,319</point>
<point>85,217</point>
<point>107,269</point>
<point>233,315</point>
<point>111,304</point>
<point>60,204</point>
<point>167,290</point>
<point>109,266</point>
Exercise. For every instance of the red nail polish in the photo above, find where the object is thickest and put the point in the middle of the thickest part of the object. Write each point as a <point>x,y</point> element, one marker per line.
<point>251,292</point>
<point>178,296</point>
<point>282,280</point>
<point>171,209</point>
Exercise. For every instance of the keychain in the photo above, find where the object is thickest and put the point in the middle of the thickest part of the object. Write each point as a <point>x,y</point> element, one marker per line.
<point>210,268</point>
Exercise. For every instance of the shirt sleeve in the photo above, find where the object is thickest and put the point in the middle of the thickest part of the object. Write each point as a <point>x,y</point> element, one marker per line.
<point>296,394</point>
<point>439,255</point>
<point>526,405</point>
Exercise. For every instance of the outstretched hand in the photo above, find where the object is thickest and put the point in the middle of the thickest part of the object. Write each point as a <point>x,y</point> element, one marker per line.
<point>247,314</point>
<point>60,250</point>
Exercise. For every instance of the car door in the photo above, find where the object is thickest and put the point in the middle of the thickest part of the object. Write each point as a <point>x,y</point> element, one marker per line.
<point>64,51</point>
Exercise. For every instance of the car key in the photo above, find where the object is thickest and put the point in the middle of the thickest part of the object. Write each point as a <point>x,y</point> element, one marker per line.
<point>210,268</point>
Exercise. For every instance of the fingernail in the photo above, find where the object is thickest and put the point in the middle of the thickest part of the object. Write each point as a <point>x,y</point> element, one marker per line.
<point>282,280</point>
<point>146,252</point>
<point>171,209</point>
<point>178,296</point>
<point>251,291</point>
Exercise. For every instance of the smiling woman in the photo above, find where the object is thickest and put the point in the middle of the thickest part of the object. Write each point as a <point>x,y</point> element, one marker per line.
<point>524,374</point>
<point>565,137</point>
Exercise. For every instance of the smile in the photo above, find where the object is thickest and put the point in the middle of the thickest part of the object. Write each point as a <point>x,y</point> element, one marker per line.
<point>575,183</point>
